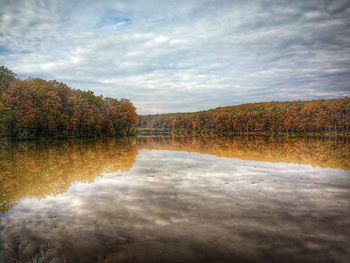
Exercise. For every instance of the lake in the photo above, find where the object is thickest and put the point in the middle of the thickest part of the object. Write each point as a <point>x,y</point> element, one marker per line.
<point>163,199</point>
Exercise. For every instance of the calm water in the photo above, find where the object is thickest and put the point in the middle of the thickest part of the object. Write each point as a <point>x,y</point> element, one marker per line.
<point>176,200</point>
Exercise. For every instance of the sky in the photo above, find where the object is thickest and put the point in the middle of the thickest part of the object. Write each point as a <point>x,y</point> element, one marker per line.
<point>183,55</point>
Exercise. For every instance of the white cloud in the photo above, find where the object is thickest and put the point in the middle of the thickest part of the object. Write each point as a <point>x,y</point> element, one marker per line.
<point>179,56</point>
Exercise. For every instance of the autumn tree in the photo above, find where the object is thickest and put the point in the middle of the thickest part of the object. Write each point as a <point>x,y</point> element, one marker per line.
<point>298,117</point>
<point>36,108</point>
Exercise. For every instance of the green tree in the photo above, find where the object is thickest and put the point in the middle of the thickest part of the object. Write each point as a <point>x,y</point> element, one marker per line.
<point>6,76</point>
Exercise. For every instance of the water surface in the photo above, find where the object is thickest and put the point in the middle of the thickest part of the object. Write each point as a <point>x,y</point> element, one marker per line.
<point>240,199</point>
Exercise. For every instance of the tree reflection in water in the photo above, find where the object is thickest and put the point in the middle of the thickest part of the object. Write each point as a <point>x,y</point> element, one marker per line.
<point>32,169</point>
<point>174,199</point>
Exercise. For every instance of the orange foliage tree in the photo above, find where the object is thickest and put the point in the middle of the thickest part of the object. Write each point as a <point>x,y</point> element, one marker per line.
<point>299,117</point>
<point>36,108</point>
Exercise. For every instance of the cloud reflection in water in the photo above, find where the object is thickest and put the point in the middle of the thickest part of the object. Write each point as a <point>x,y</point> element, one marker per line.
<point>188,207</point>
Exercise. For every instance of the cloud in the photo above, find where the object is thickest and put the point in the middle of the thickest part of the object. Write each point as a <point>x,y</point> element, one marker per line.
<point>185,55</point>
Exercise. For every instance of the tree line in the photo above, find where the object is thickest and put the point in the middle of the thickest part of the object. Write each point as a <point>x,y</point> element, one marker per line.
<point>36,108</point>
<point>297,117</point>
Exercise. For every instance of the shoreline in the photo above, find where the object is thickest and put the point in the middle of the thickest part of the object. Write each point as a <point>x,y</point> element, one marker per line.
<point>206,133</point>
<point>182,134</point>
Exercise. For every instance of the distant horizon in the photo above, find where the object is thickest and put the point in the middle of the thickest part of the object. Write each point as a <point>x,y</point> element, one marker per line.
<point>220,106</point>
<point>183,56</point>
<point>246,103</point>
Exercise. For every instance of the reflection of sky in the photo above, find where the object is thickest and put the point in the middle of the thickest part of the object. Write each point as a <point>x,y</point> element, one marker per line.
<point>182,55</point>
<point>193,204</point>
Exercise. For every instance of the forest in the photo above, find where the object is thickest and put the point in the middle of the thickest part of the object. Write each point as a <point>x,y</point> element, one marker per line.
<point>331,116</point>
<point>37,108</point>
